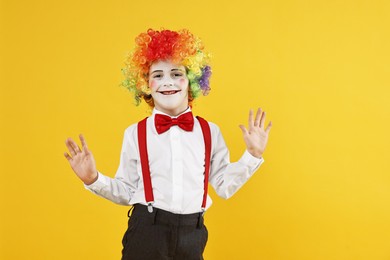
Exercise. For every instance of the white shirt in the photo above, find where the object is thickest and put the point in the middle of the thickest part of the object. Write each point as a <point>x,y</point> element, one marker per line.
<point>176,160</point>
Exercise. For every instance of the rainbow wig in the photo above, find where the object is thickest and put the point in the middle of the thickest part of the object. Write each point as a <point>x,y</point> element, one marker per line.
<point>180,47</point>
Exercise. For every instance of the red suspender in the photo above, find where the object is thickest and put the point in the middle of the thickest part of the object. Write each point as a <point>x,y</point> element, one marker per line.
<point>145,160</point>
<point>143,151</point>
<point>207,144</point>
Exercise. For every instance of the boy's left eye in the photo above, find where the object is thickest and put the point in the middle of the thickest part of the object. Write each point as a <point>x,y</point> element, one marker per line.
<point>177,74</point>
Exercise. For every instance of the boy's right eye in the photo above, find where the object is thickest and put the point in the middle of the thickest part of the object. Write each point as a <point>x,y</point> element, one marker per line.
<point>157,76</point>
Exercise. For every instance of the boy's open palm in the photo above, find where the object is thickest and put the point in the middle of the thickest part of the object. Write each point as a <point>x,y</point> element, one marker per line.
<point>81,161</point>
<point>255,136</point>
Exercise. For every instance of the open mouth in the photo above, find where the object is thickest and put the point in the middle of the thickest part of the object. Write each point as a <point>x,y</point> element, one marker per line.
<point>169,92</point>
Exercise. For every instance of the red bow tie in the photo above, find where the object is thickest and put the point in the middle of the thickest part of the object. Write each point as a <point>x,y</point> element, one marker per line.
<point>164,122</point>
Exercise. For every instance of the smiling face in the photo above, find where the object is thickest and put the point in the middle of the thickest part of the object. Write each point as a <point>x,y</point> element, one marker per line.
<point>169,85</point>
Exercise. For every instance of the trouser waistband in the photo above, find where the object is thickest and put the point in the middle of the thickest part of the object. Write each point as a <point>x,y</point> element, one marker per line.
<point>160,216</point>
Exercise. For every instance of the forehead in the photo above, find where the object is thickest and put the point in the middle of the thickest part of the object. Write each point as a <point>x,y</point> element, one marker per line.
<point>165,65</point>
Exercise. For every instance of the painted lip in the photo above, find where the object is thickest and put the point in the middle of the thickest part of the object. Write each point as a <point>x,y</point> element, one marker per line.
<point>169,92</point>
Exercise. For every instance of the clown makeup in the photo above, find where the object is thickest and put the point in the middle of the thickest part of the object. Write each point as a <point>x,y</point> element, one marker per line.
<point>169,85</point>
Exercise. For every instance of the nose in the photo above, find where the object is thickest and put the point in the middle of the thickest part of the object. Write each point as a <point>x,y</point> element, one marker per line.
<point>168,84</point>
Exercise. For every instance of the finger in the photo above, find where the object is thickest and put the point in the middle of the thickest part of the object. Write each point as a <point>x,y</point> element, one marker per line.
<point>67,156</point>
<point>268,127</point>
<point>258,117</point>
<point>262,120</point>
<point>76,147</point>
<point>250,119</point>
<point>84,144</point>
<point>71,149</point>
<point>243,129</point>
<point>82,139</point>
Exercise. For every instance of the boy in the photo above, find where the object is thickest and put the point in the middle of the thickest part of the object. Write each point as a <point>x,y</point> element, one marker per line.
<point>168,159</point>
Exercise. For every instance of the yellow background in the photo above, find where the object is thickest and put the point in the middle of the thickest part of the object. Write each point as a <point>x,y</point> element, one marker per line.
<point>319,68</point>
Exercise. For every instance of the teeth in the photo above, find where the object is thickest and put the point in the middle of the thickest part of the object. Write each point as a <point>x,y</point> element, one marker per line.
<point>169,92</point>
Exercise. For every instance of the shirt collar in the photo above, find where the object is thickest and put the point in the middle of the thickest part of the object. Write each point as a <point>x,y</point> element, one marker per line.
<point>156,111</point>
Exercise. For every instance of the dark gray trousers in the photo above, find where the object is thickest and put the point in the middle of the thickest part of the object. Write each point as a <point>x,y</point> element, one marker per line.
<point>164,235</point>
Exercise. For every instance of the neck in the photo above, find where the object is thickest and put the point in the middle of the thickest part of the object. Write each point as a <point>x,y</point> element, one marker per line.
<point>172,112</point>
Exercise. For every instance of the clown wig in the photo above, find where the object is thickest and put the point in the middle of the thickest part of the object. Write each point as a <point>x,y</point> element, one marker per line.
<point>180,47</point>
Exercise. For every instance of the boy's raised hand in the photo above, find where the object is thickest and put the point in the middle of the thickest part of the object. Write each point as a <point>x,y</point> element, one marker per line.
<point>255,136</point>
<point>81,161</point>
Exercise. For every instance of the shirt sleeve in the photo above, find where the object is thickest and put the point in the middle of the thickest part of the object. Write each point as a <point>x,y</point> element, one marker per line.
<point>120,189</point>
<point>227,177</point>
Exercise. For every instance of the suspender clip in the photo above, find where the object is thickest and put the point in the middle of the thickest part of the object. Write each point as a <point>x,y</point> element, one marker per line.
<point>150,207</point>
<point>203,211</point>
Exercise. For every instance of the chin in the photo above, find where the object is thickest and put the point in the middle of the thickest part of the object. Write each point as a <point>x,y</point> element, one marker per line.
<point>171,103</point>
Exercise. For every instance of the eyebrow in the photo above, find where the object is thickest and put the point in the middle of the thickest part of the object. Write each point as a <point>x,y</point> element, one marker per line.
<point>171,70</point>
